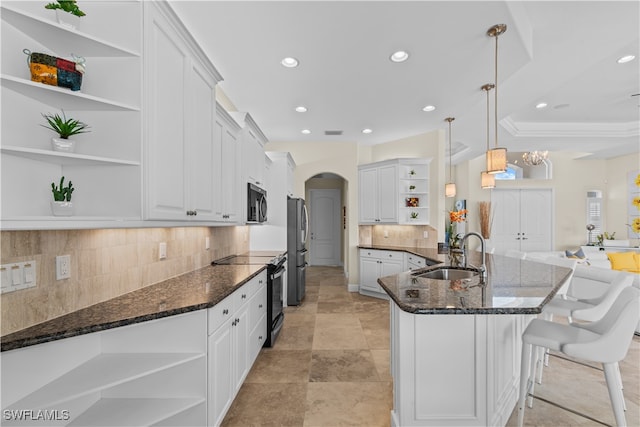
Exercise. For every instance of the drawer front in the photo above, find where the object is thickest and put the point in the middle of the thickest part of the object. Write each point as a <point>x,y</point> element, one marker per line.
<point>416,261</point>
<point>219,313</point>
<point>393,255</point>
<point>241,296</point>
<point>258,306</point>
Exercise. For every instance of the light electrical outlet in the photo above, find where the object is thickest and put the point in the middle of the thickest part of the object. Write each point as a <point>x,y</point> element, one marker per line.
<point>207,243</point>
<point>425,234</point>
<point>162,251</point>
<point>63,267</point>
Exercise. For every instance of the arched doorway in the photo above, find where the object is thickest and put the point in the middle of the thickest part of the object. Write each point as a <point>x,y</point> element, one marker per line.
<point>326,203</point>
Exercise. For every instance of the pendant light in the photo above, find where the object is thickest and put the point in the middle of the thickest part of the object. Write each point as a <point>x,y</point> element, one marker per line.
<point>487,180</point>
<point>496,157</point>
<point>450,187</point>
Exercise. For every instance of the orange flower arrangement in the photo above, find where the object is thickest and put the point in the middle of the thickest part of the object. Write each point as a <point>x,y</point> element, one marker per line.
<point>458,216</point>
<point>455,217</point>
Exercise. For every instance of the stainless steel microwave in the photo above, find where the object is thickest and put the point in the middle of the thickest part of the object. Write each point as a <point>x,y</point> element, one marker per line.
<point>256,204</point>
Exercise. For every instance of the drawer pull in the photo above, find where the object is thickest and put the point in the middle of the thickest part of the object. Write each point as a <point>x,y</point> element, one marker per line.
<point>260,306</point>
<point>244,296</point>
<point>225,311</point>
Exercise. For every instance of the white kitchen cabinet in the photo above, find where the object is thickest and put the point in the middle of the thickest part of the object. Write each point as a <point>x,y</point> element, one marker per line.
<point>231,347</point>
<point>228,189</point>
<point>523,219</point>
<point>114,377</point>
<point>414,262</point>
<point>252,143</point>
<point>394,192</point>
<point>106,164</point>
<point>464,369</point>
<point>180,139</point>
<point>376,263</point>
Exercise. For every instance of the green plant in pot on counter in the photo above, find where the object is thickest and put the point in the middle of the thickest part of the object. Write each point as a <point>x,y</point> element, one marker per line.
<point>66,5</point>
<point>65,128</point>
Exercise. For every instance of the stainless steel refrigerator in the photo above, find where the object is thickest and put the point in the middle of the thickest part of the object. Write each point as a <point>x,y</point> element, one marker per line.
<point>297,233</point>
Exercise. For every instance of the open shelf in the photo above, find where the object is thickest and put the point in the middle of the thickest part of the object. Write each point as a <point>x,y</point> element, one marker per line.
<point>64,39</point>
<point>102,372</point>
<point>133,411</point>
<point>61,97</point>
<point>62,158</point>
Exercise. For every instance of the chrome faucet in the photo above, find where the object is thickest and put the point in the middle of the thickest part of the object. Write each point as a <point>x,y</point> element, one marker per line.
<point>482,269</point>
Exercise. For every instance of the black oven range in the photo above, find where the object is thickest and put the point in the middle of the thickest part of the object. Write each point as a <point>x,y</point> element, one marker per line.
<point>276,267</point>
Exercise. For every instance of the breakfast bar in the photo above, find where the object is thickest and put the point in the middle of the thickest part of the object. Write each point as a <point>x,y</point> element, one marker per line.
<point>455,343</point>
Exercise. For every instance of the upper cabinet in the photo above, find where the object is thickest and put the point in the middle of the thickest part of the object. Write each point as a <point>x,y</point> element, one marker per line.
<point>105,167</point>
<point>253,141</point>
<point>227,183</point>
<point>182,139</point>
<point>394,192</point>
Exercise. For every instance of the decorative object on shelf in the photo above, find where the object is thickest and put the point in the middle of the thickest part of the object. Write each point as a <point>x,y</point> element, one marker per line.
<point>69,6</point>
<point>534,158</point>
<point>61,204</point>
<point>412,173</point>
<point>486,219</point>
<point>55,71</point>
<point>412,188</point>
<point>605,239</point>
<point>64,128</point>
<point>413,215</point>
<point>496,157</point>
<point>453,237</point>
<point>590,228</point>
<point>487,180</point>
<point>450,187</point>
<point>68,13</point>
<point>412,202</point>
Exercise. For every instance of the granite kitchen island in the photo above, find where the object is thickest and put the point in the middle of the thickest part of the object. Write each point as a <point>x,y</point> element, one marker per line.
<point>455,344</point>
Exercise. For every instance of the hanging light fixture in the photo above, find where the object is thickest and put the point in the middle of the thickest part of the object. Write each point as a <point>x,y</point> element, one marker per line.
<point>496,157</point>
<point>487,180</point>
<point>534,158</point>
<point>450,187</point>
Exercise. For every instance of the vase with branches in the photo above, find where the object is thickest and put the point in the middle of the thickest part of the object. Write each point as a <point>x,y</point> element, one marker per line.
<point>486,219</point>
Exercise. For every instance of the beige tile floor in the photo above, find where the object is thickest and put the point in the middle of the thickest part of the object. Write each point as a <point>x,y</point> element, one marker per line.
<point>330,367</point>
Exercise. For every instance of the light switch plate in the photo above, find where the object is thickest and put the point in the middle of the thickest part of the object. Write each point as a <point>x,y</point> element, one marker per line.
<point>162,251</point>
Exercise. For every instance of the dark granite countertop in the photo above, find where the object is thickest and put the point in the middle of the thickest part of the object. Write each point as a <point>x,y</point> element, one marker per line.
<point>429,253</point>
<point>196,290</point>
<point>513,287</point>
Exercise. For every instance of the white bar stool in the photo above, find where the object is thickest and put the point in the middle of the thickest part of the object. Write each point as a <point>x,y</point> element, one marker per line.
<point>588,310</point>
<point>605,341</point>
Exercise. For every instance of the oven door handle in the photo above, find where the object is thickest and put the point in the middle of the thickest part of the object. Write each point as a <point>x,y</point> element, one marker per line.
<point>279,272</point>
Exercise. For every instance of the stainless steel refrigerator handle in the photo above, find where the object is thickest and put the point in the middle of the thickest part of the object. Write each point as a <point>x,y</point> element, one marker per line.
<point>306,223</point>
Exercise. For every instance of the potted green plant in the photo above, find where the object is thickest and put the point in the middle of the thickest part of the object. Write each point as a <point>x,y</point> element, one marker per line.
<point>413,215</point>
<point>64,128</point>
<point>67,12</point>
<point>412,187</point>
<point>61,204</point>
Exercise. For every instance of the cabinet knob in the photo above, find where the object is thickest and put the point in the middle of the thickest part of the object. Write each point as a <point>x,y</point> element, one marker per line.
<point>195,213</point>
<point>260,338</point>
<point>225,311</point>
<point>237,321</point>
<point>260,306</point>
<point>244,296</point>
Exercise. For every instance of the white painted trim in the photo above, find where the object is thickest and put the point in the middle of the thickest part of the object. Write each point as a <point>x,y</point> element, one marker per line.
<point>570,130</point>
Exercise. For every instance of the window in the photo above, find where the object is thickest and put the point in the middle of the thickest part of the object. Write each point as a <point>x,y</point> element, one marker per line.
<point>594,214</point>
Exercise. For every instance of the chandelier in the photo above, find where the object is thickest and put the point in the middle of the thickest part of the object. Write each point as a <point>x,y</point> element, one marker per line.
<point>534,158</point>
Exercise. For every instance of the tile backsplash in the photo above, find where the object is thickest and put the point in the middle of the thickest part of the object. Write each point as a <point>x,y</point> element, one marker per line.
<point>105,263</point>
<point>398,235</point>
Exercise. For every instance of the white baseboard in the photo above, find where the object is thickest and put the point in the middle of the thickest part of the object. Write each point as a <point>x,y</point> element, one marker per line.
<point>353,287</point>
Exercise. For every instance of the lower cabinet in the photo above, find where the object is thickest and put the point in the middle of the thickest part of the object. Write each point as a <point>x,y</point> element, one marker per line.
<point>235,339</point>
<point>114,377</point>
<point>182,370</point>
<point>376,263</point>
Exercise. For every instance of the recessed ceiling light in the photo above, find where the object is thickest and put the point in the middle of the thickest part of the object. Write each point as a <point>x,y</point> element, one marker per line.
<point>626,58</point>
<point>289,62</point>
<point>306,131</point>
<point>429,108</point>
<point>541,105</point>
<point>301,109</point>
<point>367,130</point>
<point>399,56</point>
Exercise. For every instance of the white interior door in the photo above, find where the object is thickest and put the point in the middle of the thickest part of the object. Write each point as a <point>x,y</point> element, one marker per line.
<point>506,219</point>
<point>325,222</point>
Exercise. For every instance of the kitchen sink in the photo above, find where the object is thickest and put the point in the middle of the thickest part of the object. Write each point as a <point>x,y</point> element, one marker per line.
<point>448,273</point>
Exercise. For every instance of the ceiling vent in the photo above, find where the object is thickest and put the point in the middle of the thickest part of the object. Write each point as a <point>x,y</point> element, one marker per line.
<point>333,132</point>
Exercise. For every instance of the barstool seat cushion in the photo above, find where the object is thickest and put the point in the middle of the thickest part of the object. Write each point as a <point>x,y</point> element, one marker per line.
<point>554,336</point>
<point>564,307</point>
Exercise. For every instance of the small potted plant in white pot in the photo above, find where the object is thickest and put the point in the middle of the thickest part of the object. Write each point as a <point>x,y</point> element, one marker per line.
<point>61,204</point>
<point>413,216</point>
<point>64,128</point>
<point>68,13</point>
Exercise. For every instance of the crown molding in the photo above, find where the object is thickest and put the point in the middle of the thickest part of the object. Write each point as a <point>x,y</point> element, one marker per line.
<point>570,130</point>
